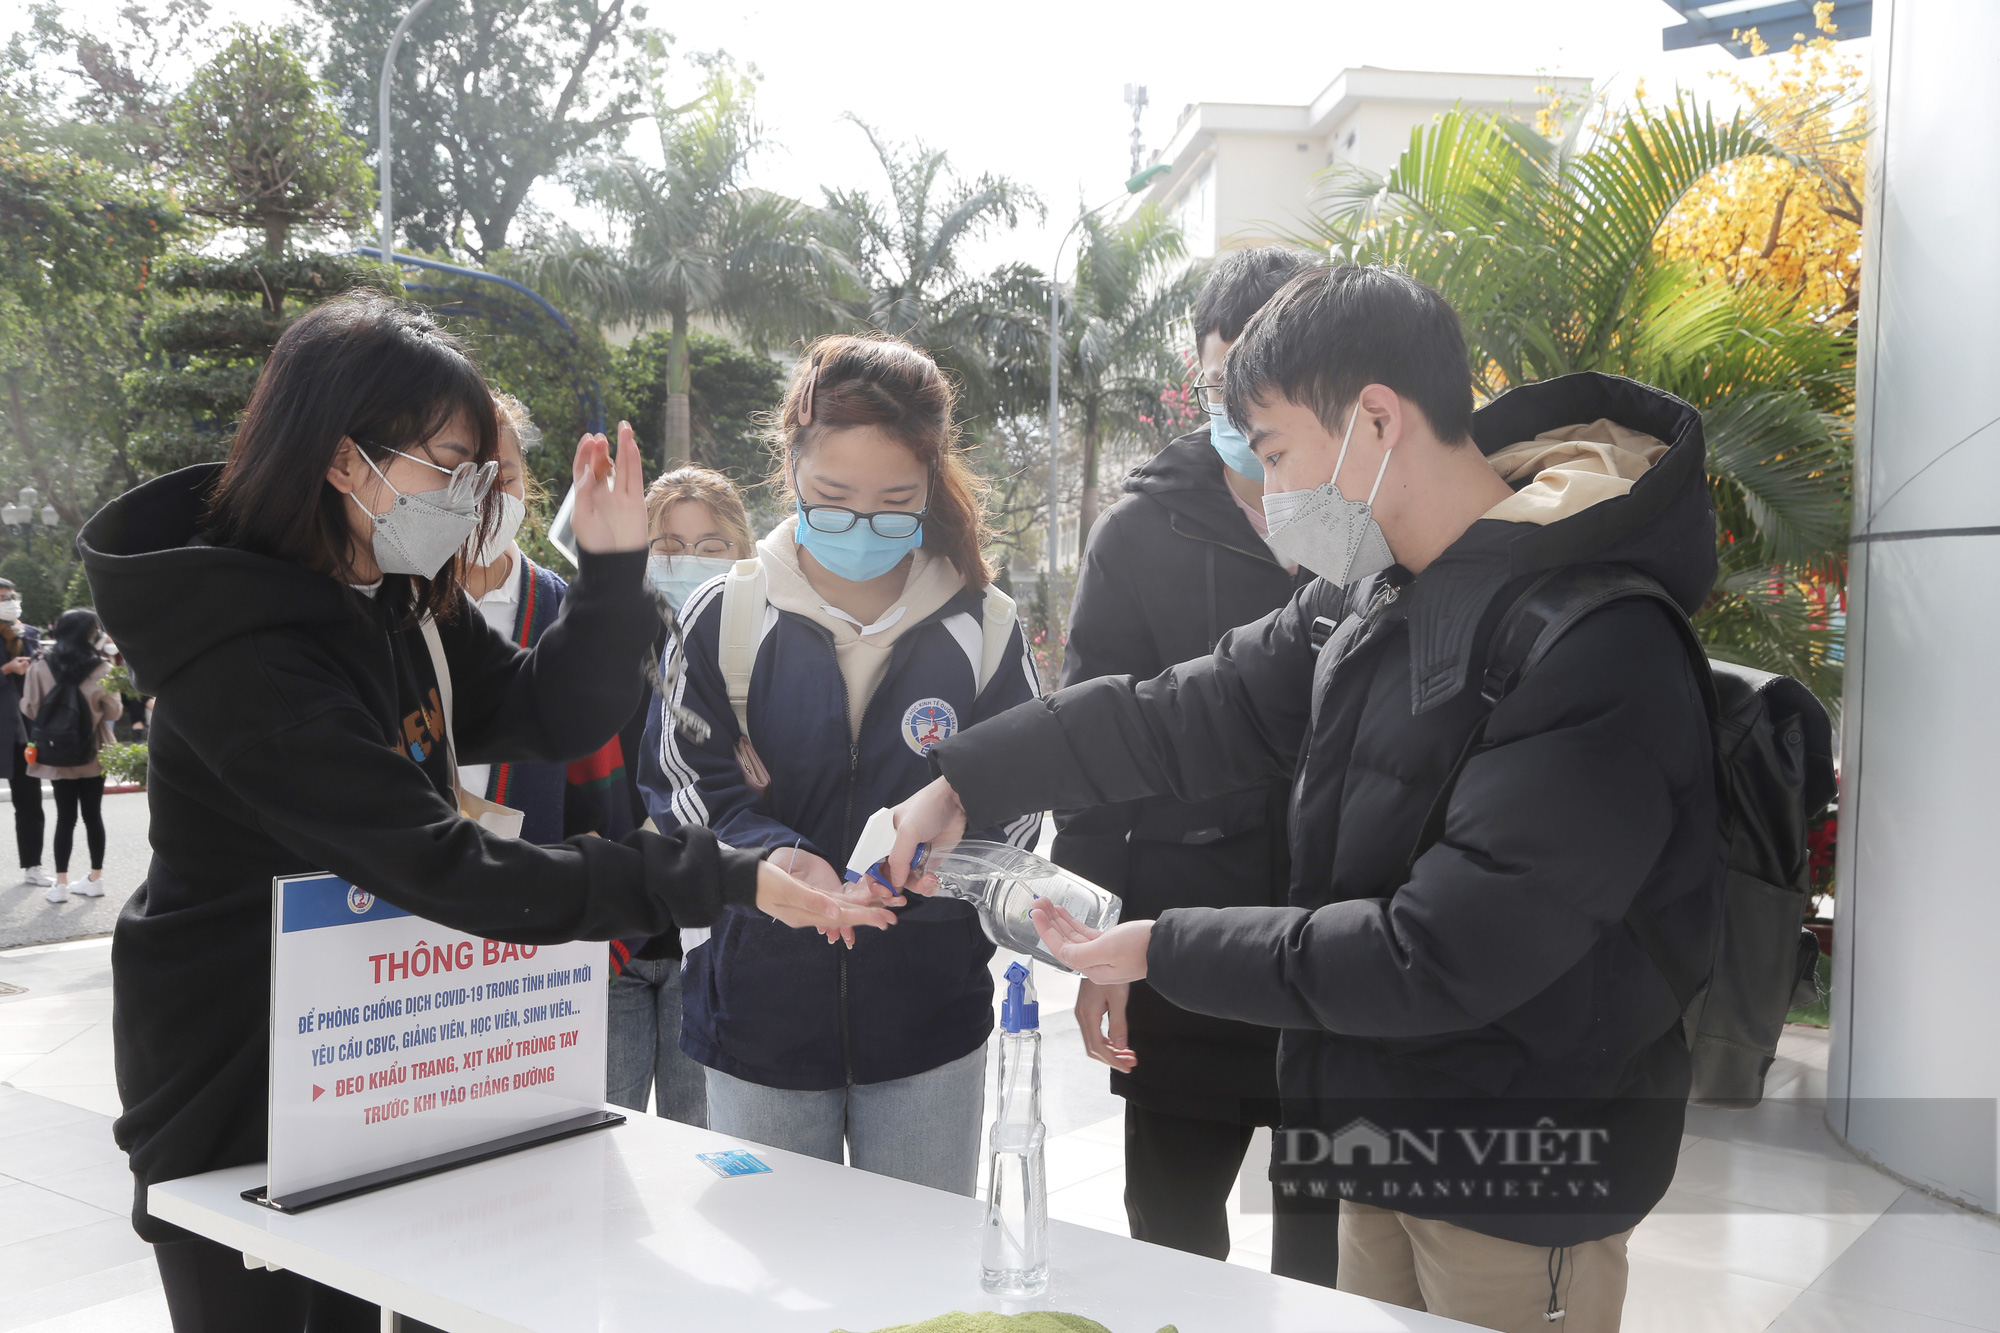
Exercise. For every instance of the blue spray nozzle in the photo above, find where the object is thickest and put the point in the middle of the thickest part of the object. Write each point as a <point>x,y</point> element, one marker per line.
<point>879,874</point>
<point>1019,1011</point>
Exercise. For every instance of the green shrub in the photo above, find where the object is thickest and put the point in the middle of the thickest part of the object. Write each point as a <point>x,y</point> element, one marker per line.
<point>123,764</point>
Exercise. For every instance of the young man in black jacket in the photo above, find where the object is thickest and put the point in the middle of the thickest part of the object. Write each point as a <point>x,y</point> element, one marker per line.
<point>1478,1059</point>
<point>1180,561</point>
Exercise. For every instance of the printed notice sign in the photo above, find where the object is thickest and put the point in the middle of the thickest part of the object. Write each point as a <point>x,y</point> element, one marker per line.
<point>394,1038</point>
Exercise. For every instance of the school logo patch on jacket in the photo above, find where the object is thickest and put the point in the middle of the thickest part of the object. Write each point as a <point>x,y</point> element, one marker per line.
<point>926,722</point>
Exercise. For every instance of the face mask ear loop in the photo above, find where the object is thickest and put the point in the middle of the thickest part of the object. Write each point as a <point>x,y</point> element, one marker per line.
<point>1334,480</point>
<point>1378,476</point>
<point>372,515</point>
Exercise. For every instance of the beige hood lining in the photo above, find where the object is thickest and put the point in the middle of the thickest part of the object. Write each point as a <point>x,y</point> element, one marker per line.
<point>1570,469</point>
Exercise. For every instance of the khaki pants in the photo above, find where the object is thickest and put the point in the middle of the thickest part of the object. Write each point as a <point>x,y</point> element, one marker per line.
<point>1499,1284</point>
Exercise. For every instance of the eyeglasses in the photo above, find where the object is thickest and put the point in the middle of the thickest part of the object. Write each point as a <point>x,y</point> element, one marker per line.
<point>892,523</point>
<point>711,546</point>
<point>474,479</point>
<point>1210,398</point>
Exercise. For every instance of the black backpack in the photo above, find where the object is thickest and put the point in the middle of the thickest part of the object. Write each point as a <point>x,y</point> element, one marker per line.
<point>1774,775</point>
<point>63,729</point>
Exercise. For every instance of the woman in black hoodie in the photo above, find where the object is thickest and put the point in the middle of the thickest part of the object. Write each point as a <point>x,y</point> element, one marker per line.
<point>274,604</point>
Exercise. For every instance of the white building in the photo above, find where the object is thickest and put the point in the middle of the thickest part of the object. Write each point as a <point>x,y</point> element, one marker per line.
<point>1242,173</point>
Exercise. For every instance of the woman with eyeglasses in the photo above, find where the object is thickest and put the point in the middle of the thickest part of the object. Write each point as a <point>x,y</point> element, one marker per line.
<point>695,519</point>
<point>698,528</point>
<point>282,606</point>
<point>869,634</point>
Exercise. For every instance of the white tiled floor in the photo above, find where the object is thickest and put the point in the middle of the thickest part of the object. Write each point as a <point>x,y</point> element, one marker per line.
<point>1769,1224</point>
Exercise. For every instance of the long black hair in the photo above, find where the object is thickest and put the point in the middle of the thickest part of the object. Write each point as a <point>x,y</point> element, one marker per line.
<point>364,367</point>
<point>75,654</point>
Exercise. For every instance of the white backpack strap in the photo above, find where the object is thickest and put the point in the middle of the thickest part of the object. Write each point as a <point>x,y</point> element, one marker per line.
<point>744,596</point>
<point>494,817</point>
<point>443,670</point>
<point>996,628</point>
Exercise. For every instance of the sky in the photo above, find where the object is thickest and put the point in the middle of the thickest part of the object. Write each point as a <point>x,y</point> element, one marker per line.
<point>1033,89</point>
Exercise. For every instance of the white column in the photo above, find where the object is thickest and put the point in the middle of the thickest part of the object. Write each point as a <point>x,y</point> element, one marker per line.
<point>1915,1070</point>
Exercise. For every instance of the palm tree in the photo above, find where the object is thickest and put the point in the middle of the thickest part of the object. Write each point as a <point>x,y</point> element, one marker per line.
<point>1547,250</point>
<point>696,240</point>
<point>987,329</point>
<point>1132,286</point>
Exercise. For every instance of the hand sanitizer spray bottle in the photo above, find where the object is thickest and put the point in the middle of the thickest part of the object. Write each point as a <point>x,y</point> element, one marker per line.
<point>1002,882</point>
<point>1014,1251</point>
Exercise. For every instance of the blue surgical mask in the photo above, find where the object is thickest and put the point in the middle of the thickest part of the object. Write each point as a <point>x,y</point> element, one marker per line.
<point>858,554</point>
<point>677,576</point>
<point>1234,448</point>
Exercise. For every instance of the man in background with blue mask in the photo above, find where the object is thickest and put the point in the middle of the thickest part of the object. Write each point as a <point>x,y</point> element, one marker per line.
<point>1460,964</point>
<point>1168,570</point>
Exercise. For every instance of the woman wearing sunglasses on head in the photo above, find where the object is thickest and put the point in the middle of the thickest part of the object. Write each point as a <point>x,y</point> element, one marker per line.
<point>285,607</point>
<point>868,633</point>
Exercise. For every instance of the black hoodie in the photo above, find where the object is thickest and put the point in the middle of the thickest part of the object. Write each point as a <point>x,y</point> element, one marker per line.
<point>297,729</point>
<point>1436,1013</point>
<point>1170,569</point>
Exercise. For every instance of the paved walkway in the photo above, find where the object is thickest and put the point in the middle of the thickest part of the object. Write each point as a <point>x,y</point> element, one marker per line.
<point>26,919</point>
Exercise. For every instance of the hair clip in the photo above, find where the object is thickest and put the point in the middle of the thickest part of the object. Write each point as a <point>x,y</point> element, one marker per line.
<point>806,399</point>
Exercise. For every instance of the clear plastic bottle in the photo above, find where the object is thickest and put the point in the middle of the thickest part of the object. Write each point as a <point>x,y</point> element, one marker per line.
<point>1001,880</point>
<point>1014,1247</point>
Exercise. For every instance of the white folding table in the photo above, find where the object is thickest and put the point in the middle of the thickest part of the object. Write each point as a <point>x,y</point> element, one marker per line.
<point>623,1229</point>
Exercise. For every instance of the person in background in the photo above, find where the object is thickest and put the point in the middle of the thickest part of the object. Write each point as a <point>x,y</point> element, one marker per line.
<point>520,599</point>
<point>868,649</point>
<point>20,644</point>
<point>699,530</point>
<point>1170,569</point>
<point>75,661</point>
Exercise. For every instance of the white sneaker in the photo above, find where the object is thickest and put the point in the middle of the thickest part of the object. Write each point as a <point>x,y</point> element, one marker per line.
<point>88,888</point>
<point>37,876</point>
<point>57,893</point>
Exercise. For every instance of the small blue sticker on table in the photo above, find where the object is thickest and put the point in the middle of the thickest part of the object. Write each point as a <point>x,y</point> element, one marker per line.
<point>735,1162</point>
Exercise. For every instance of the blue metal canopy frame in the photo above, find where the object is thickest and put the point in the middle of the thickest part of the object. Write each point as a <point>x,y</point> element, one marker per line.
<point>589,399</point>
<point>1717,23</point>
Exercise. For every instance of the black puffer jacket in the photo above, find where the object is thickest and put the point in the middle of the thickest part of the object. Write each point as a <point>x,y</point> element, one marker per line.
<point>1170,569</point>
<point>1490,998</point>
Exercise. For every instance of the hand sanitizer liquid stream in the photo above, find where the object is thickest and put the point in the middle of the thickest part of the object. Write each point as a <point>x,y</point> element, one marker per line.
<point>1014,1248</point>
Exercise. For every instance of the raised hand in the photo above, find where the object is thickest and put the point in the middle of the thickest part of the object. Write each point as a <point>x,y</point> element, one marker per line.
<point>1107,957</point>
<point>610,510</point>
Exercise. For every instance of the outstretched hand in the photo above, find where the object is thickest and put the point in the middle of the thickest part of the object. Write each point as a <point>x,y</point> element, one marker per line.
<point>1108,957</point>
<point>610,510</point>
<point>798,904</point>
<point>932,819</point>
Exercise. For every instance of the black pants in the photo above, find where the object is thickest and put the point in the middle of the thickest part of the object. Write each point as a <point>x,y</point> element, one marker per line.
<point>209,1290</point>
<point>27,794</point>
<point>76,796</point>
<point>1178,1174</point>
<point>1305,1240</point>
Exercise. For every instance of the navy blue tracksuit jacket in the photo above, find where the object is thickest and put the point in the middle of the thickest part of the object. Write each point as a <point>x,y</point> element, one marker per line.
<point>778,1006</point>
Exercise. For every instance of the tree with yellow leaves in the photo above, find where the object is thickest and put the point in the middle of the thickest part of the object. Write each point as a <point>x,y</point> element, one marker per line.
<point>1766,221</point>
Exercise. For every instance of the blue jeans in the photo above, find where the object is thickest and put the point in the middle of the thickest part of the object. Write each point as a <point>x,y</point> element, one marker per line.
<point>923,1129</point>
<point>643,1044</point>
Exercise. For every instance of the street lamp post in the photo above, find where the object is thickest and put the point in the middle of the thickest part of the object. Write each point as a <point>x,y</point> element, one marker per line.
<point>389,74</point>
<point>1132,186</point>
<point>22,516</point>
